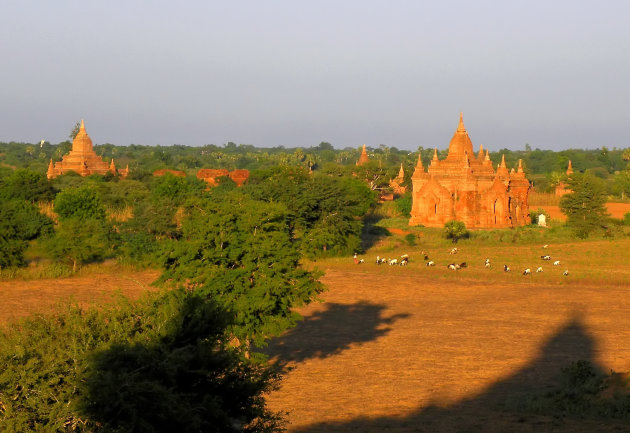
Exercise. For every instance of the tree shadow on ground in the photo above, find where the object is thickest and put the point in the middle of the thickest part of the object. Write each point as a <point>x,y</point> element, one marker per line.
<point>494,409</point>
<point>372,233</point>
<point>331,331</point>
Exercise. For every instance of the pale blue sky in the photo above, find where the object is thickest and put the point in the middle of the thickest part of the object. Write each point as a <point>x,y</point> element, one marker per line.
<point>553,74</point>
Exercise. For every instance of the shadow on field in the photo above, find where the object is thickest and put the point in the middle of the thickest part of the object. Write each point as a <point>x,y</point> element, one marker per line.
<point>372,233</point>
<point>489,411</point>
<point>331,331</point>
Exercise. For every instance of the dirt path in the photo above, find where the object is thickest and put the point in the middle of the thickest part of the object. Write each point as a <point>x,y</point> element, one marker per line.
<point>407,353</point>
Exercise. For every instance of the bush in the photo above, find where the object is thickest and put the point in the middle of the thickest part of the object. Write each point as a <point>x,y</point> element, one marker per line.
<point>626,219</point>
<point>155,365</point>
<point>455,230</point>
<point>403,205</point>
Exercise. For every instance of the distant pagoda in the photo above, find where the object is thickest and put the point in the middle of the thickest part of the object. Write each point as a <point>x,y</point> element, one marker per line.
<point>83,160</point>
<point>363,158</point>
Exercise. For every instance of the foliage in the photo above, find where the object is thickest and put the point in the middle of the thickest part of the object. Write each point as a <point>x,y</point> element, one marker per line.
<point>20,222</point>
<point>79,203</point>
<point>81,241</point>
<point>535,214</point>
<point>26,185</point>
<point>403,204</point>
<point>583,392</point>
<point>626,218</point>
<point>324,211</point>
<point>585,206</point>
<point>155,365</point>
<point>240,253</point>
<point>455,230</point>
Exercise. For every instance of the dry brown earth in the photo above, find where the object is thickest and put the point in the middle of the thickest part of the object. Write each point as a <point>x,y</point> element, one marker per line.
<point>394,349</point>
<point>616,210</point>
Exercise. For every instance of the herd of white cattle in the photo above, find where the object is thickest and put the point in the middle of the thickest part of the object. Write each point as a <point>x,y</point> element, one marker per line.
<point>404,260</point>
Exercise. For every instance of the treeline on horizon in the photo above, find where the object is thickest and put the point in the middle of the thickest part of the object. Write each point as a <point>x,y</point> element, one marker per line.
<point>543,167</point>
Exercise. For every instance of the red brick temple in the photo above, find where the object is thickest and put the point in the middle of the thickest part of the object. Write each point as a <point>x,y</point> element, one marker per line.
<point>466,188</point>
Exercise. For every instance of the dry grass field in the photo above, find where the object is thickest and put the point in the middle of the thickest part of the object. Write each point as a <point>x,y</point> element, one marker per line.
<point>419,349</point>
<point>422,349</point>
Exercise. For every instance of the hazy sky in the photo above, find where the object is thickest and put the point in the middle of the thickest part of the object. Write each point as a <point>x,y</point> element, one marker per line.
<point>554,73</point>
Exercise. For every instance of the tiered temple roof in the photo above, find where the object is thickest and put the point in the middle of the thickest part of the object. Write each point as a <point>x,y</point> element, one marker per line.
<point>83,160</point>
<point>466,188</point>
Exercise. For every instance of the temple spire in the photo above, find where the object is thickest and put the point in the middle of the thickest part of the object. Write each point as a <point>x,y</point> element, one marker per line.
<point>480,156</point>
<point>520,166</point>
<point>401,172</point>
<point>461,127</point>
<point>570,169</point>
<point>502,165</point>
<point>419,163</point>
<point>435,157</point>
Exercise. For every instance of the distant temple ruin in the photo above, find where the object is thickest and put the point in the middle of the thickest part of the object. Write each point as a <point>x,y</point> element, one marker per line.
<point>466,188</point>
<point>210,175</point>
<point>396,183</point>
<point>83,160</point>
<point>562,188</point>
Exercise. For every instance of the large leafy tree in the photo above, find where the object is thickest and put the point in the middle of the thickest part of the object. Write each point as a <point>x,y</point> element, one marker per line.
<point>585,206</point>
<point>240,253</point>
<point>325,210</point>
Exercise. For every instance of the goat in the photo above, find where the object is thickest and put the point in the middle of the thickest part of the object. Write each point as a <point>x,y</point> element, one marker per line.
<point>506,268</point>
<point>566,273</point>
<point>463,265</point>
<point>545,257</point>
<point>454,250</point>
<point>393,262</point>
<point>431,263</point>
<point>453,266</point>
<point>361,261</point>
<point>539,270</point>
<point>545,246</point>
<point>556,263</point>
<point>527,271</point>
<point>487,265</point>
<point>426,257</point>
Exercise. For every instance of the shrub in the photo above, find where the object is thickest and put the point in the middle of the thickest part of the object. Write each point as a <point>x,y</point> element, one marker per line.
<point>455,230</point>
<point>158,364</point>
<point>626,219</point>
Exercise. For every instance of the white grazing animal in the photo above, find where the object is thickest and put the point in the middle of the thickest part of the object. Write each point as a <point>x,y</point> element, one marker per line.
<point>527,271</point>
<point>539,269</point>
<point>556,263</point>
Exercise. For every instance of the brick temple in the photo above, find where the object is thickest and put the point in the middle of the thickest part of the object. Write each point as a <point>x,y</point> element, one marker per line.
<point>466,188</point>
<point>83,160</point>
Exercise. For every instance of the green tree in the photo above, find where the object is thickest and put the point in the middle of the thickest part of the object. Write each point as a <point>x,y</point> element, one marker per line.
<point>455,230</point>
<point>20,222</point>
<point>24,184</point>
<point>585,206</point>
<point>80,241</point>
<point>81,202</point>
<point>240,253</point>
<point>159,364</point>
<point>75,130</point>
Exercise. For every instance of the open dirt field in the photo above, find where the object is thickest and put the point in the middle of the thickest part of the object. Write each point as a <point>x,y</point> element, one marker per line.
<point>418,349</point>
<point>427,350</point>
<point>616,210</point>
<point>21,298</point>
